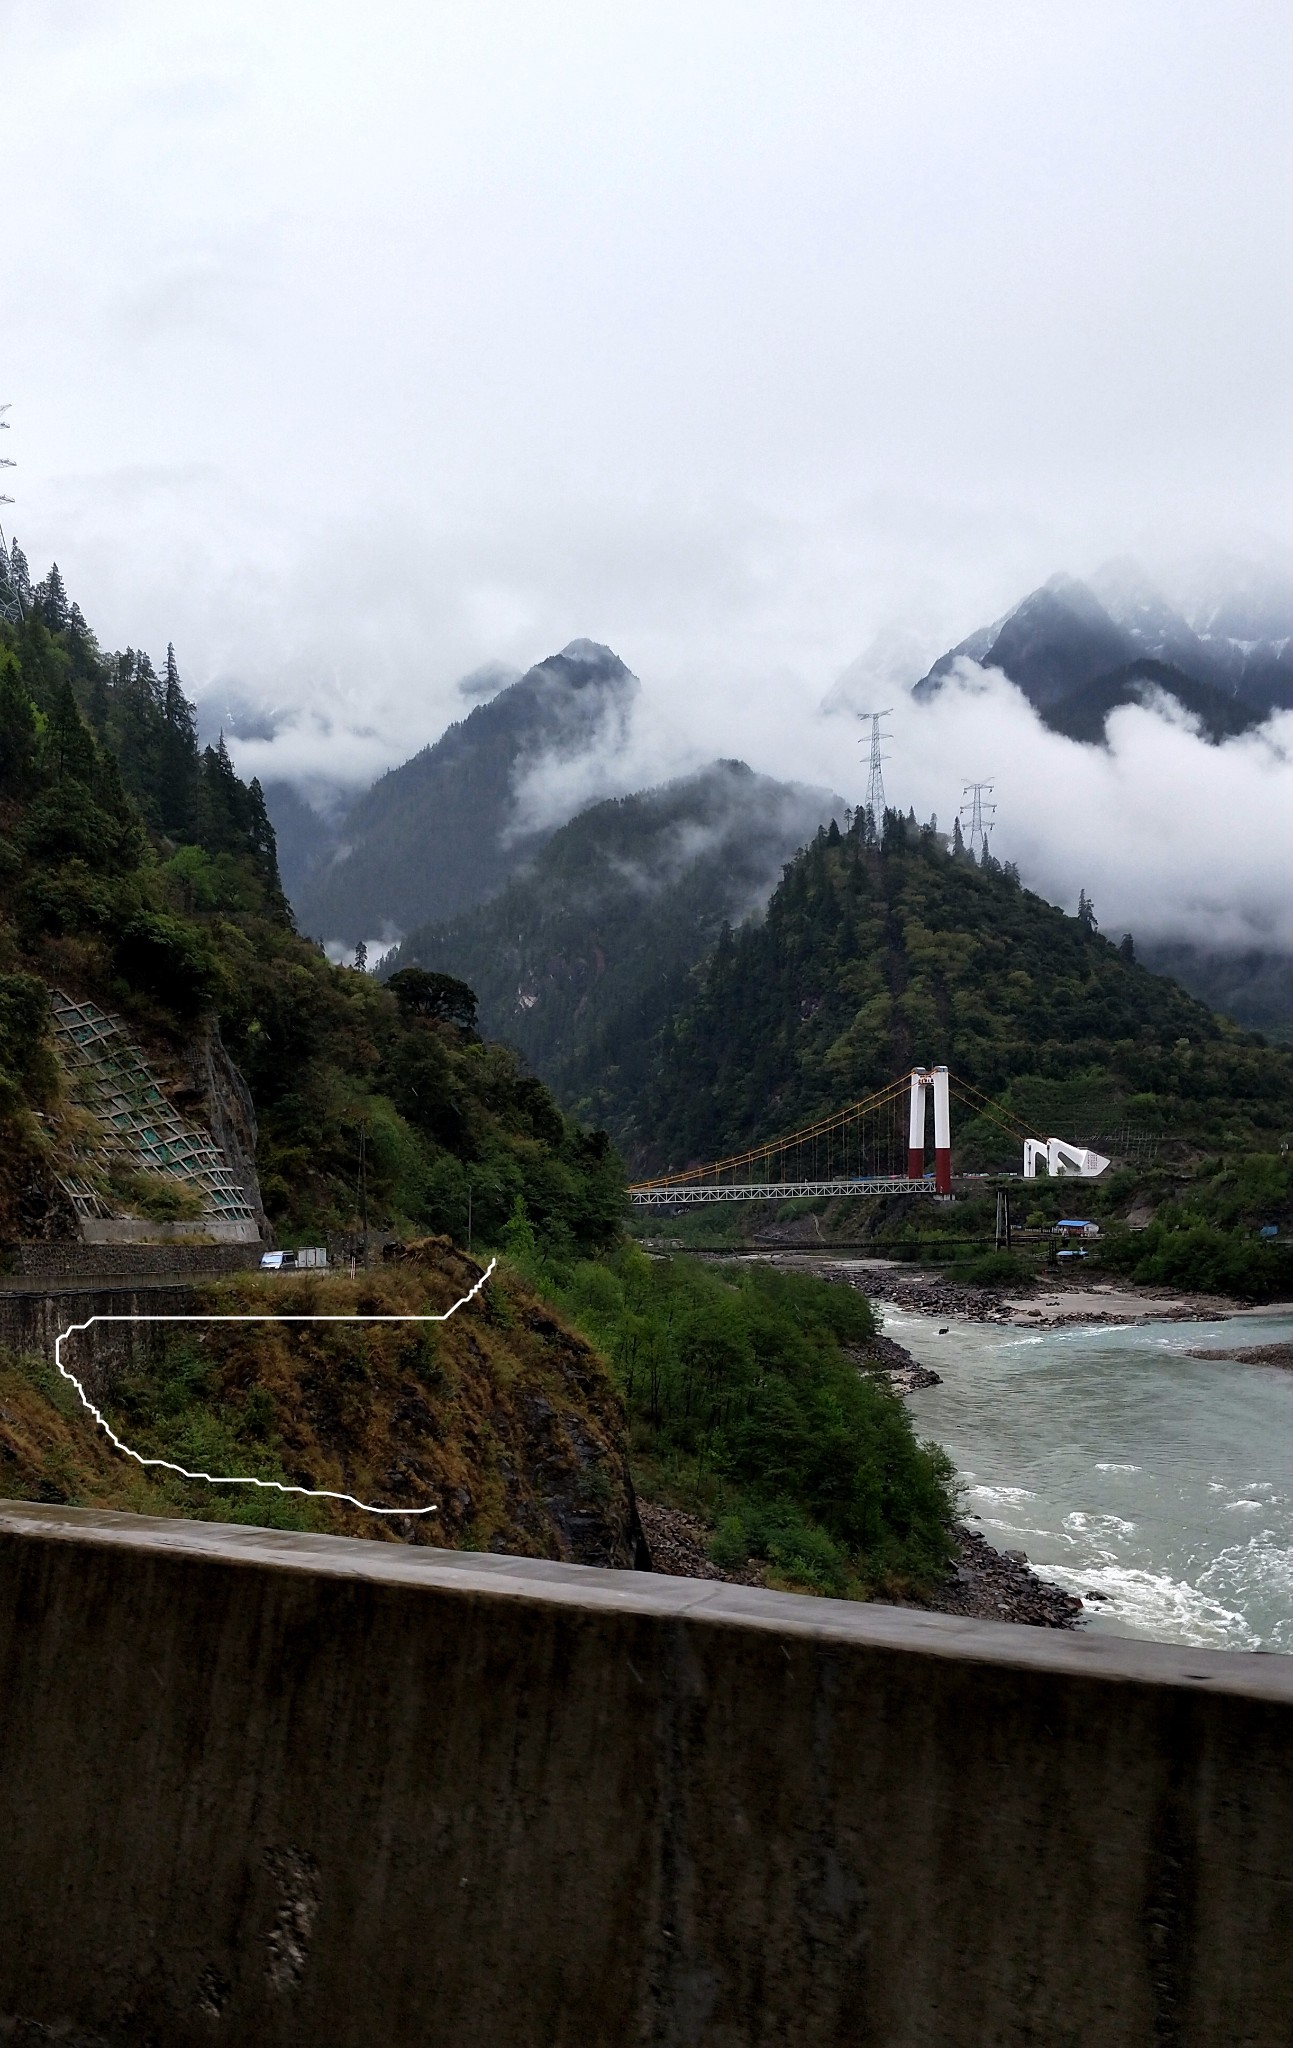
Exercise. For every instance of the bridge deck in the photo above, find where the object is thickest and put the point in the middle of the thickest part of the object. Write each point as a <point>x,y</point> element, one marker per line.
<point>648,1197</point>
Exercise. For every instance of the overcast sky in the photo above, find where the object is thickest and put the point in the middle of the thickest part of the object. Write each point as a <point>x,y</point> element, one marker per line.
<point>350,346</point>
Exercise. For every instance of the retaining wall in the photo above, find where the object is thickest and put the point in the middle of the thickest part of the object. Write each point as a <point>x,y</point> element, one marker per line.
<point>32,1318</point>
<point>260,1787</point>
<point>106,1265</point>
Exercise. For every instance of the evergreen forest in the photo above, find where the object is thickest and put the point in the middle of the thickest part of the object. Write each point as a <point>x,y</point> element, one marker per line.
<point>881,950</point>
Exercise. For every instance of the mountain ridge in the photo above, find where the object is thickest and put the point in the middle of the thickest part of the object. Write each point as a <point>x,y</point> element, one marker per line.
<point>1077,649</point>
<point>440,833</point>
<point>579,958</point>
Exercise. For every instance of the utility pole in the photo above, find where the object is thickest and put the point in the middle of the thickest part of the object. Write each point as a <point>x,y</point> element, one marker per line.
<point>363,1184</point>
<point>10,597</point>
<point>982,815</point>
<point>875,780</point>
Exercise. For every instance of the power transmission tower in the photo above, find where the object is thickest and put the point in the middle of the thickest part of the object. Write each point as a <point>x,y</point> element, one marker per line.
<point>875,781</point>
<point>980,821</point>
<point>10,601</point>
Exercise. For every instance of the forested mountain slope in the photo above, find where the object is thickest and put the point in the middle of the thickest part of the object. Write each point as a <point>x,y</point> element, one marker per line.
<point>443,831</point>
<point>875,956</point>
<point>582,957</point>
<point>139,873</point>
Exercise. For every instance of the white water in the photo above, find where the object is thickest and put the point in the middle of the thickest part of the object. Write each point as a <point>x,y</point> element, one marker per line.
<point>1124,1467</point>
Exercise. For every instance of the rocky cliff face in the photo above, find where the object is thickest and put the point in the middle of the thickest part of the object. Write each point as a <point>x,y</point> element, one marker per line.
<point>221,1100</point>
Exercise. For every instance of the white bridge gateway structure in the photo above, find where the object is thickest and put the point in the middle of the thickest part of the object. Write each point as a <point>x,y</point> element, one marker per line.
<point>874,1147</point>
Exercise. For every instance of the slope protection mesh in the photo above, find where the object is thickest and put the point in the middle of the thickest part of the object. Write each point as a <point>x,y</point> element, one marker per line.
<point>137,1127</point>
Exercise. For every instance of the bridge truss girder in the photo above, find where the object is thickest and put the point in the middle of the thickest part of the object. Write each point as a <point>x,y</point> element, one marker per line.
<point>780,1191</point>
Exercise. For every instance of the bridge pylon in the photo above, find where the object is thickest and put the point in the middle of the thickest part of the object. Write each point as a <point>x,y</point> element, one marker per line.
<point>936,1084</point>
<point>942,1132</point>
<point>916,1127</point>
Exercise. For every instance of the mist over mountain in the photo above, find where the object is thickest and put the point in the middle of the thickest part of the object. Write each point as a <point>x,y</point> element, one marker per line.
<point>1254,987</point>
<point>1140,711</point>
<point>1078,650</point>
<point>583,956</point>
<point>445,830</point>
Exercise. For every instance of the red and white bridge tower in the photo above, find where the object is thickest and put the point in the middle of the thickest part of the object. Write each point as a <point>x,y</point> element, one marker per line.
<point>936,1083</point>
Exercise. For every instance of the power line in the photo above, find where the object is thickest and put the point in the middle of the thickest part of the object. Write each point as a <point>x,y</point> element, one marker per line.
<point>875,781</point>
<point>10,596</point>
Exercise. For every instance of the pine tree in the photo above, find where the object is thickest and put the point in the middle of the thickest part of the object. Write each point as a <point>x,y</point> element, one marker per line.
<point>177,755</point>
<point>135,733</point>
<point>51,600</point>
<point>17,724</point>
<point>19,575</point>
<point>69,747</point>
<point>958,838</point>
<point>1086,912</point>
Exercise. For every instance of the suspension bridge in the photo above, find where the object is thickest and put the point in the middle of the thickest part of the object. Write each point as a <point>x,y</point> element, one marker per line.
<point>878,1146</point>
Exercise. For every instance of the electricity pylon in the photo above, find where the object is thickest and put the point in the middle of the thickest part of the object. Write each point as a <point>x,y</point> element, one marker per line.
<point>875,781</point>
<point>980,824</point>
<point>10,602</point>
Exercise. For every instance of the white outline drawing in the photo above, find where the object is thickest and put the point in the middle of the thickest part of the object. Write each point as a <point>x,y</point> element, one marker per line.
<point>212,1478</point>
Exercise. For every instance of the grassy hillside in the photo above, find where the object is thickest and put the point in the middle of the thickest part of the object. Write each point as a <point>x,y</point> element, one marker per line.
<point>139,872</point>
<point>502,1415</point>
<point>581,959</point>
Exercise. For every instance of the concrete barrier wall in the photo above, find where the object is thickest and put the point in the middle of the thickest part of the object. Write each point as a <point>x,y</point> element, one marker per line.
<point>31,1320</point>
<point>264,1788</point>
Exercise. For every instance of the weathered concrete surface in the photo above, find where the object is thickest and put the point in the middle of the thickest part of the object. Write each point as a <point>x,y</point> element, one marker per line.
<point>262,1788</point>
<point>32,1318</point>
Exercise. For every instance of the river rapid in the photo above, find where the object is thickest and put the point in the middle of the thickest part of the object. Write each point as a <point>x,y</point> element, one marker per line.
<point>1124,1467</point>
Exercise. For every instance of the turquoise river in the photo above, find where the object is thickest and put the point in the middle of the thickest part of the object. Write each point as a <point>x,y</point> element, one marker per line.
<point>1124,1467</point>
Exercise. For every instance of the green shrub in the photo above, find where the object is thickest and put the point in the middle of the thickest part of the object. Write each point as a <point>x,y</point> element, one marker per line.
<point>992,1269</point>
<point>168,959</point>
<point>740,1389</point>
<point>1202,1258</point>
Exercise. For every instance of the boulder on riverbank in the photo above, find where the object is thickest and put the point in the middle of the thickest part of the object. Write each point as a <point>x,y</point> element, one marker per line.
<point>893,1362</point>
<point>1254,1354</point>
<point>1000,1585</point>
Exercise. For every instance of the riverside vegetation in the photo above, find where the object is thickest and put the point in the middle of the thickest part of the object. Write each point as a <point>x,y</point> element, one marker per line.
<point>746,1404</point>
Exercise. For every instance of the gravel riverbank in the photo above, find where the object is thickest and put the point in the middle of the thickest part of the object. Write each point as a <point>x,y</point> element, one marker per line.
<point>1056,1305</point>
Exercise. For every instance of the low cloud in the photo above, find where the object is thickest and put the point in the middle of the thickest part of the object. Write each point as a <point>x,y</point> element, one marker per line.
<point>1171,837</point>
